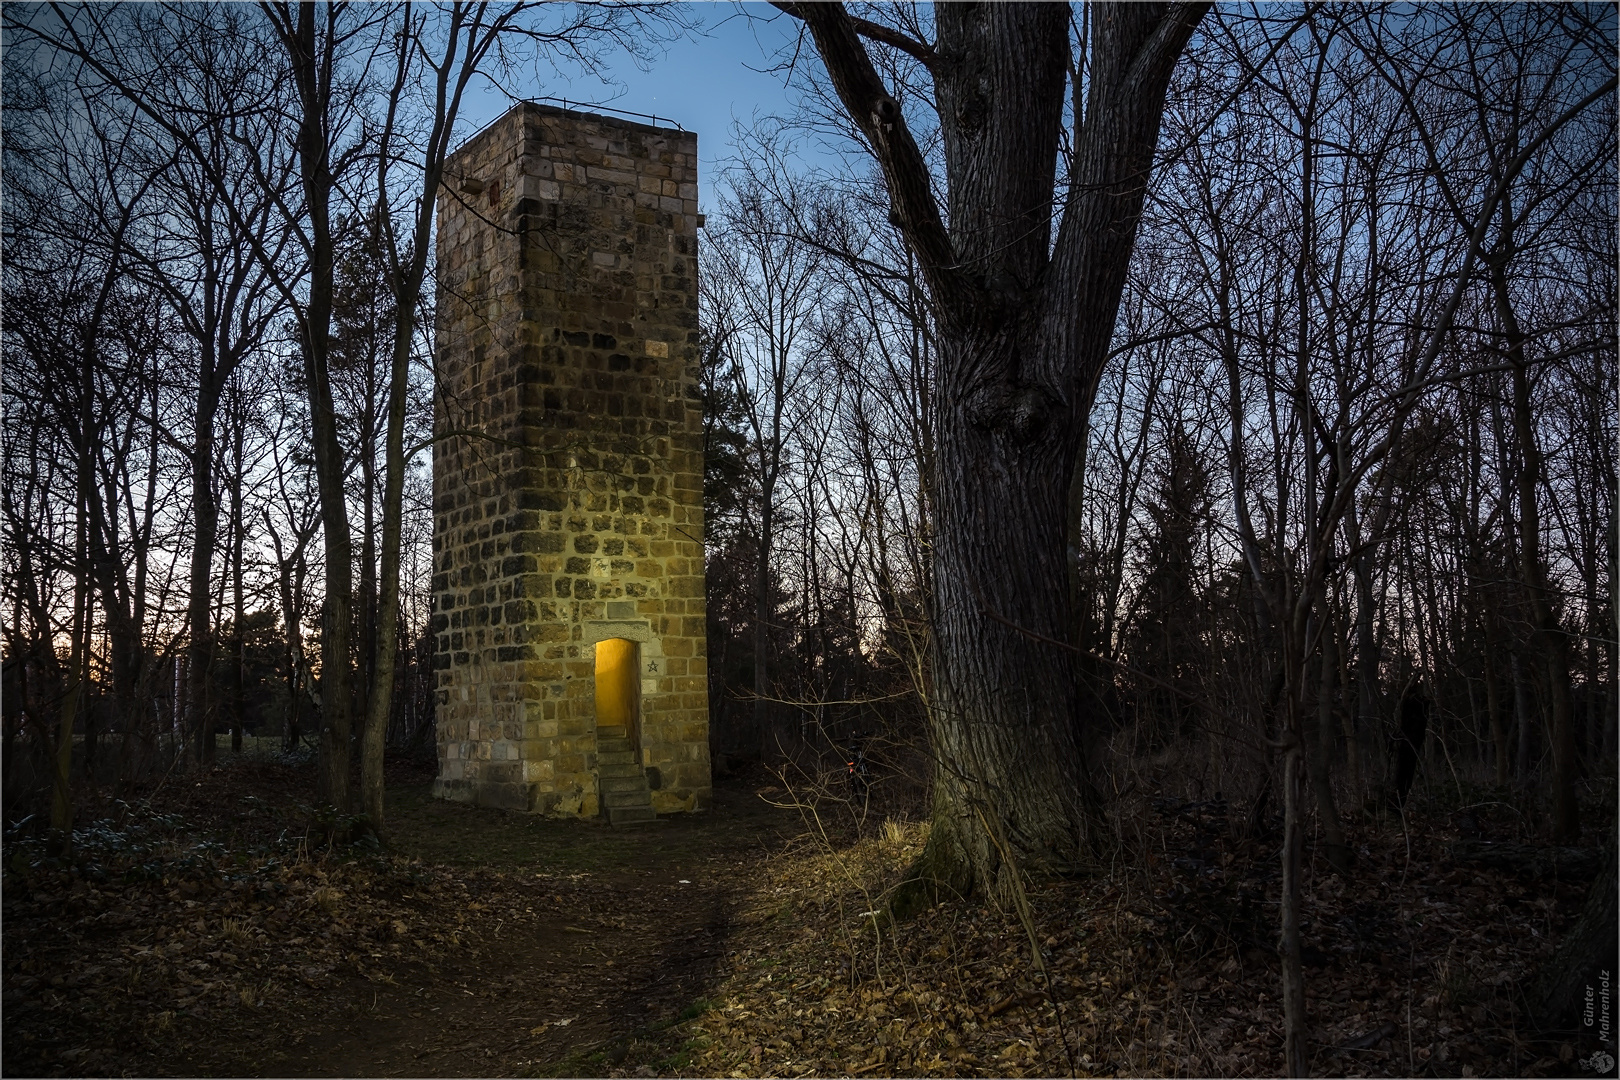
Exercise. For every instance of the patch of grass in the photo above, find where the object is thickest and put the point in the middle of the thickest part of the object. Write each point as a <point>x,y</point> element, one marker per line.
<point>694,1010</point>
<point>576,1063</point>
<point>454,834</point>
<point>1459,987</point>
<point>679,1061</point>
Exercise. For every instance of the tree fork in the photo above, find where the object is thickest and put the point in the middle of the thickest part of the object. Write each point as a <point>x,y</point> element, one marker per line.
<point>1024,324</point>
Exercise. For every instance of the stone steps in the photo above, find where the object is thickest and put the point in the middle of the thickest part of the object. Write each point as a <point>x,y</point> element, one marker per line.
<point>626,799</point>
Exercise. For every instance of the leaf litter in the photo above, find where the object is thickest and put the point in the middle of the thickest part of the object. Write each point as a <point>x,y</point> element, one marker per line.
<point>1413,967</point>
<point>177,923</point>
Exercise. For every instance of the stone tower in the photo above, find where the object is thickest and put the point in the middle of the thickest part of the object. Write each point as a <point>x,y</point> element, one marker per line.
<point>568,476</point>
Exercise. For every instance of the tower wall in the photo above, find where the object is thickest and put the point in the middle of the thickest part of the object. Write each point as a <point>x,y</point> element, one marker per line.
<point>568,472</point>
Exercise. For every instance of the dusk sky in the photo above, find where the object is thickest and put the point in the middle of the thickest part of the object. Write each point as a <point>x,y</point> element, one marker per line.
<point>706,81</point>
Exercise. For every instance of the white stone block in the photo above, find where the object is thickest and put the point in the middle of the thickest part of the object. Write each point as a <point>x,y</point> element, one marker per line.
<point>533,187</point>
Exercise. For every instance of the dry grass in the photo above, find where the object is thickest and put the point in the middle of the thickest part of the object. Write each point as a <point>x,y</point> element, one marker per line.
<point>1412,967</point>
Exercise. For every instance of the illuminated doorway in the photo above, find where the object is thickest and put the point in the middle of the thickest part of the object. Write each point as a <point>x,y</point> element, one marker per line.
<point>618,688</point>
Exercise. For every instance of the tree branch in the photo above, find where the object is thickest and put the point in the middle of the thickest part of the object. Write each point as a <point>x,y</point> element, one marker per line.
<point>917,50</point>
<point>1161,51</point>
<point>878,115</point>
<point>920,51</point>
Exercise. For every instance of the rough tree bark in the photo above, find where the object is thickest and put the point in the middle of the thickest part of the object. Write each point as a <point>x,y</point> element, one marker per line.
<point>1024,322</point>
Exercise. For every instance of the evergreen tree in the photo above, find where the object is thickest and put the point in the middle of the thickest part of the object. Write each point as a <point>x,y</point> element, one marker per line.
<point>1165,645</point>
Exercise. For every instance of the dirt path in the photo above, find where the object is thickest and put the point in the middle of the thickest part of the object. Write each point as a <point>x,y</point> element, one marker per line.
<point>552,990</point>
<point>638,940</point>
<point>649,937</point>
<point>489,943</point>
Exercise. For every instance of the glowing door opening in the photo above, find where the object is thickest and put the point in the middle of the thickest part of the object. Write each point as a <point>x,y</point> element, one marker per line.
<point>618,686</point>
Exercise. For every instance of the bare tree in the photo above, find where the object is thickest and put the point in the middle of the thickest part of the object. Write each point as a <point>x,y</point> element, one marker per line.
<point>1022,319</point>
<point>759,285</point>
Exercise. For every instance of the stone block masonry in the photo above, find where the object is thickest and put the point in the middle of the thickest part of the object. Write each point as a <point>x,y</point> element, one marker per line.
<point>568,468</point>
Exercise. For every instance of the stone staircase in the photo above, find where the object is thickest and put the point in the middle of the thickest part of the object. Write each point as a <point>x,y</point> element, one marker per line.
<point>626,798</point>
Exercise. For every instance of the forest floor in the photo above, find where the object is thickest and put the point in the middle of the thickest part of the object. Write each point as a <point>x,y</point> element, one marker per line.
<point>210,929</point>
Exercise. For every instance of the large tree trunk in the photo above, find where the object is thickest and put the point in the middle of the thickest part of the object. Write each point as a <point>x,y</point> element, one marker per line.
<point>1367,722</point>
<point>1006,725</point>
<point>291,588</point>
<point>366,617</point>
<point>1024,323</point>
<point>407,282</point>
<point>1340,686</point>
<point>73,690</point>
<point>137,747</point>
<point>1524,712</point>
<point>68,706</point>
<point>62,759</point>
